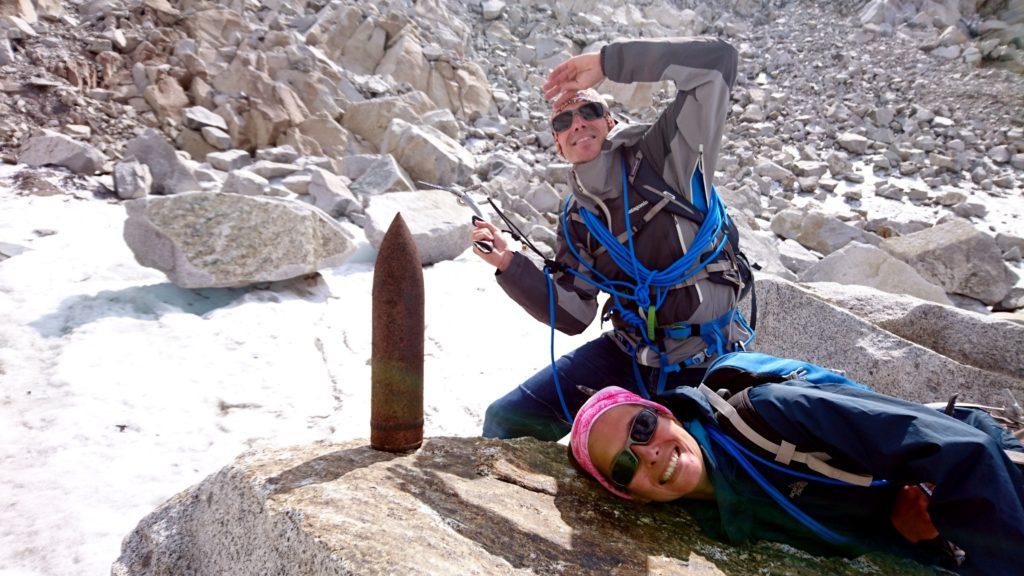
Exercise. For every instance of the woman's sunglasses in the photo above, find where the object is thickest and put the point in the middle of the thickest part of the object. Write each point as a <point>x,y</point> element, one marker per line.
<point>641,430</point>
<point>589,111</point>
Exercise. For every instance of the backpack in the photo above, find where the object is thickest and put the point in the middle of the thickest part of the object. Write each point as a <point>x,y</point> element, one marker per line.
<point>730,377</point>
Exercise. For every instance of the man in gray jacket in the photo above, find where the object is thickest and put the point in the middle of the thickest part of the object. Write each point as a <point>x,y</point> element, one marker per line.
<point>673,274</point>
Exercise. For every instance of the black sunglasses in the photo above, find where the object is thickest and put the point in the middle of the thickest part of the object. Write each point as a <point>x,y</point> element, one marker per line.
<point>589,111</point>
<point>641,430</point>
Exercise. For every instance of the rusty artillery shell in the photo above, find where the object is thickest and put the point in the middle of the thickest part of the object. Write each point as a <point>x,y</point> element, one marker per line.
<point>396,413</point>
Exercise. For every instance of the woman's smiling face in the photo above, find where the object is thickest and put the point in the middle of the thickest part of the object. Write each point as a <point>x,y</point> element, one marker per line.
<point>671,464</point>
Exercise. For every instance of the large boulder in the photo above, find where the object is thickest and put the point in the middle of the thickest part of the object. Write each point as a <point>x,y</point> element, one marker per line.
<point>428,154</point>
<point>818,231</point>
<point>171,175</point>
<point>958,257</point>
<point>167,98</point>
<point>867,265</point>
<point>381,176</point>
<point>440,227</point>
<point>762,250</point>
<point>794,322</point>
<point>216,240</point>
<point>455,506</point>
<point>979,340</point>
<point>371,118</point>
<point>331,193</point>
<point>47,147</point>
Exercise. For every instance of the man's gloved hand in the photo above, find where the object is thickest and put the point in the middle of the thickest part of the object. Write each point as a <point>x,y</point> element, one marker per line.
<point>910,514</point>
<point>500,257</point>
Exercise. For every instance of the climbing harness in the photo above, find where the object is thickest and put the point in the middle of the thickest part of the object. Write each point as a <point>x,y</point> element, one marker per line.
<point>650,287</point>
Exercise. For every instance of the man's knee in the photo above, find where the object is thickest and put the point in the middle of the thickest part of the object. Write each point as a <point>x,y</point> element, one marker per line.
<point>516,415</point>
<point>495,420</point>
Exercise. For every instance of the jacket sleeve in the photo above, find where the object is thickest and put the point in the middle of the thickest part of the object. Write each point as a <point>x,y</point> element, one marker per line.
<point>704,72</point>
<point>978,502</point>
<point>575,299</point>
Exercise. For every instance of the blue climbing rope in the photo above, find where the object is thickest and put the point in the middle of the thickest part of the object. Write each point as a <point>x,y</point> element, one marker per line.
<point>710,236</point>
<point>730,446</point>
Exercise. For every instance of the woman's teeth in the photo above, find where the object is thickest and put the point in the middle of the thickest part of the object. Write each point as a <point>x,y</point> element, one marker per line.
<point>671,468</point>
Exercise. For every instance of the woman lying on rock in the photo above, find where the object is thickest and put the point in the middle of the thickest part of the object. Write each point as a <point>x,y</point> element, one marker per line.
<point>816,461</point>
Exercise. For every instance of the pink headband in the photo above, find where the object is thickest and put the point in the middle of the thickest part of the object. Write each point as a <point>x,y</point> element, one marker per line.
<point>588,95</point>
<point>598,404</point>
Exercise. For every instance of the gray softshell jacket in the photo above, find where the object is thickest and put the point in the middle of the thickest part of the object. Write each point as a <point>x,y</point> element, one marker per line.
<point>687,133</point>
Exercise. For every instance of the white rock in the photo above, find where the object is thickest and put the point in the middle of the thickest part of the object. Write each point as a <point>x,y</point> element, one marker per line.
<point>866,265</point>
<point>796,257</point>
<point>196,117</point>
<point>269,169</point>
<point>229,160</point>
<point>216,137</point>
<point>246,183</point>
<point>281,154</point>
<point>439,225</point>
<point>381,176</point>
<point>132,180</point>
<point>49,148</point>
<point>331,194</point>
<point>215,240</point>
<point>544,198</point>
<point>428,154</point>
<point>775,172</point>
<point>958,257</point>
<point>853,142</point>
<point>171,174</point>
<point>492,9</point>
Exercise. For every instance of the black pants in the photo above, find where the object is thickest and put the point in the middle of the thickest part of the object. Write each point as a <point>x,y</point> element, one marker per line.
<point>533,408</point>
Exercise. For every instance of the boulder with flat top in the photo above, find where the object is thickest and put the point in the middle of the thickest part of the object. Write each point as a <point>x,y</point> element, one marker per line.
<point>218,240</point>
<point>455,506</point>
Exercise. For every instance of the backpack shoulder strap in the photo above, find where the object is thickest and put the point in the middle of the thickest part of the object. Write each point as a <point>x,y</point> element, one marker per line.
<point>784,452</point>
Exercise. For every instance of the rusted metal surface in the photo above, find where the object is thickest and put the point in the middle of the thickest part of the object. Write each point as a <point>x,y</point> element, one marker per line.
<point>396,419</point>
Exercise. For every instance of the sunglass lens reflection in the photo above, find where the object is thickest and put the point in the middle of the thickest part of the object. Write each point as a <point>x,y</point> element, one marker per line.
<point>643,427</point>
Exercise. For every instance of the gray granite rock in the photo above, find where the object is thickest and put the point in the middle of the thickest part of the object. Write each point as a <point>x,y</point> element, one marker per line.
<point>229,160</point>
<point>958,257</point>
<point>171,175</point>
<point>544,198</point>
<point>972,339</point>
<point>455,506</point>
<point>246,183</point>
<point>819,231</point>
<point>853,142</point>
<point>49,148</point>
<point>775,172</point>
<point>796,257</point>
<point>216,137</point>
<point>215,240</point>
<point>382,175</point>
<point>866,265</point>
<point>281,154</point>
<point>331,194</point>
<point>795,322</point>
<point>132,179</point>
<point>428,154</point>
<point>198,117</point>
<point>439,225</point>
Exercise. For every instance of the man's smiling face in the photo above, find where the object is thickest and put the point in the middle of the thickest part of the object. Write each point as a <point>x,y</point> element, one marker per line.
<point>582,141</point>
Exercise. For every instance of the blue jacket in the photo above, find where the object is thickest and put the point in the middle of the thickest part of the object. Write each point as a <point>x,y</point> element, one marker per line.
<point>978,501</point>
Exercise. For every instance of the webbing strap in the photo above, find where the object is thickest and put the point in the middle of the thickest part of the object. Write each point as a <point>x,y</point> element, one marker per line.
<point>624,236</point>
<point>719,266</point>
<point>813,462</point>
